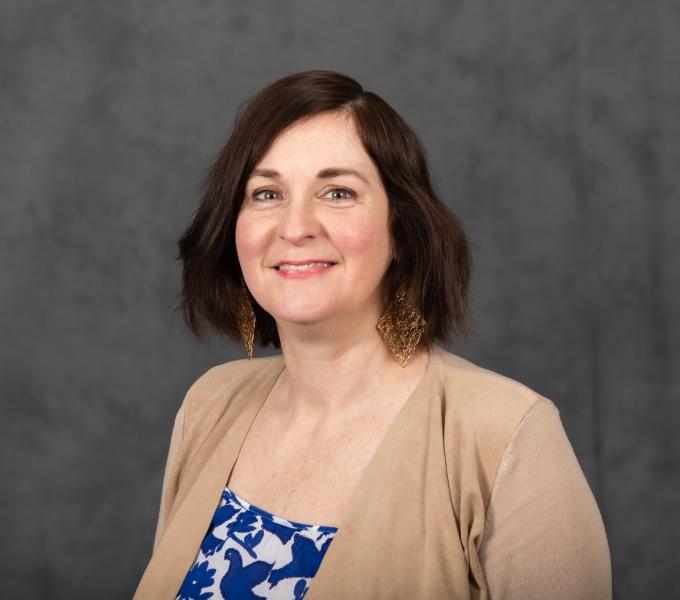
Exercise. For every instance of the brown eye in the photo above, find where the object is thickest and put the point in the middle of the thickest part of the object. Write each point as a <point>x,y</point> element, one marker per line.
<point>348,195</point>
<point>268,195</point>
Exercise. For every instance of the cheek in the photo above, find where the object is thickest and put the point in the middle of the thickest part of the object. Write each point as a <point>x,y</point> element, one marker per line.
<point>365,239</point>
<point>248,242</point>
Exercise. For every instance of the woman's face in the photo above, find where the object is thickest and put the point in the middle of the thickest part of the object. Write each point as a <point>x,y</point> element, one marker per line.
<point>298,208</point>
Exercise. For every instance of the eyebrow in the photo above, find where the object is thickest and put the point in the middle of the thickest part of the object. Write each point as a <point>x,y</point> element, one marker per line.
<point>327,173</point>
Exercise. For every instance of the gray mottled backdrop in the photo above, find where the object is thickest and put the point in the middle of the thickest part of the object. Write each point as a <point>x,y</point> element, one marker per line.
<point>553,129</point>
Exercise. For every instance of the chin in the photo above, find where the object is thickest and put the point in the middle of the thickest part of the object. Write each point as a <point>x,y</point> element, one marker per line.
<point>302,318</point>
<point>304,314</point>
<point>303,307</point>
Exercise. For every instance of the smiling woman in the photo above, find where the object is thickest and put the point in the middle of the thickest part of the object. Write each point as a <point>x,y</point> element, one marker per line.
<point>365,460</point>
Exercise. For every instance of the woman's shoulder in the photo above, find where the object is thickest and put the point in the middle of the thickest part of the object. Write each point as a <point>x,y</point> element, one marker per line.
<point>238,371</point>
<point>476,394</point>
<point>217,387</point>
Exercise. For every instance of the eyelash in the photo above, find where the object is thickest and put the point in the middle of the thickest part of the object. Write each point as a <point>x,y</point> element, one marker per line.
<point>350,192</point>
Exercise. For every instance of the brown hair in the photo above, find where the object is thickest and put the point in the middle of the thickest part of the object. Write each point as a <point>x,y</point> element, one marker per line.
<point>433,255</point>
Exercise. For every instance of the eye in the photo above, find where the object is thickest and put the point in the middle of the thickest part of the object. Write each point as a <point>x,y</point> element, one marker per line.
<point>268,195</point>
<point>348,194</point>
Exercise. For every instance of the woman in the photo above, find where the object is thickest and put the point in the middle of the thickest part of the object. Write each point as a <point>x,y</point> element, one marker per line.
<point>365,461</point>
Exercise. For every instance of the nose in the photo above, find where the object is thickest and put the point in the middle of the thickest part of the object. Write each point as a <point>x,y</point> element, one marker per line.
<point>299,221</point>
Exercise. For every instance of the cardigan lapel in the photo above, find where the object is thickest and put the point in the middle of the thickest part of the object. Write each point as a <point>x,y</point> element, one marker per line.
<point>352,555</point>
<point>190,520</point>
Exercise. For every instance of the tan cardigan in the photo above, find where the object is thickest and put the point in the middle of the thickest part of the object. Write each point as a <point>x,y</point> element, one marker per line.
<point>474,493</point>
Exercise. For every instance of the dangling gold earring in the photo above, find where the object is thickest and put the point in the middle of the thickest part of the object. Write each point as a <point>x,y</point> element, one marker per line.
<point>246,320</point>
<point>401,326</point>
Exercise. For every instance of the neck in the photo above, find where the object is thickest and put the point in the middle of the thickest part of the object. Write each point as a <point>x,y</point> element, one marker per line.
<point>341,374</point>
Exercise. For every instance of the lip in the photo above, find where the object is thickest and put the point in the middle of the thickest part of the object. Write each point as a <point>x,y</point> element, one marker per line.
<point>303,262</point>
<point>304,274</point>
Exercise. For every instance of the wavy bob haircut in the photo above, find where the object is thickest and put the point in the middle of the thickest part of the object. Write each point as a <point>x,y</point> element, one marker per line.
<point>432,252</point>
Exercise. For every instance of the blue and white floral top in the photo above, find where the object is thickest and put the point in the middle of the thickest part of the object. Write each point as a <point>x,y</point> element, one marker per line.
<point>249,553</point>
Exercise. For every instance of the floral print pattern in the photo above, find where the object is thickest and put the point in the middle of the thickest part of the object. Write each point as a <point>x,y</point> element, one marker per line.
<point>251,554</point>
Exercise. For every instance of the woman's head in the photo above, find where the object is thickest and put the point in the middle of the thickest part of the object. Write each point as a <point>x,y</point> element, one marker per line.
<point>316,196</point>
<point>382,226</point>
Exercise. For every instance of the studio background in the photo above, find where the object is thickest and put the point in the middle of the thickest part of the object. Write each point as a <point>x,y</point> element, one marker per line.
<point>552,129</point>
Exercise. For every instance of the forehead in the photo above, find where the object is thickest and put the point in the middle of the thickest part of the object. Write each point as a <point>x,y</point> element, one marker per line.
<point>320,141</point>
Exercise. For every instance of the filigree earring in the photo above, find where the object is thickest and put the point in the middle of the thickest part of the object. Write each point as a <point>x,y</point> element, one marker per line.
<point>401,326</point>
<point>246,319</point>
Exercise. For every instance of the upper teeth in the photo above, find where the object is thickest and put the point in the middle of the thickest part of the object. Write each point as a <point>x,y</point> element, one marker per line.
<point>289,267</point>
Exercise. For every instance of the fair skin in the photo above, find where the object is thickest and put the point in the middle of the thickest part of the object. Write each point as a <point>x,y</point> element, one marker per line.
<point>341,387</point>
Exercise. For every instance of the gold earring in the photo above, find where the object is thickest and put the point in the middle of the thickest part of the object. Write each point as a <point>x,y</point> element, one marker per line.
<point>246,320</point>
<point>401,327</point>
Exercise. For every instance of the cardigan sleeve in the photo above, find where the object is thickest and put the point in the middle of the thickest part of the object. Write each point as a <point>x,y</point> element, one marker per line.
<point>544,536</point>
<point>170,473</point>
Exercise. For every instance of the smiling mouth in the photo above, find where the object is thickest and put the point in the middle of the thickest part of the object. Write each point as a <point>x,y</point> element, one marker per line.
<point>303,267</point>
